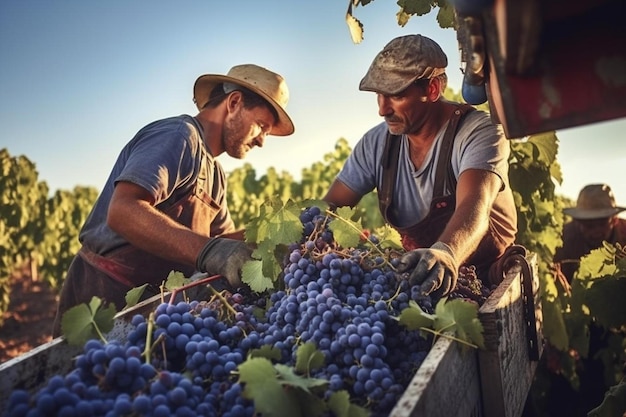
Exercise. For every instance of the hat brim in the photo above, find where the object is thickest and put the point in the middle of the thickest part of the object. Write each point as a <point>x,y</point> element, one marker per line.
<point>205,84</point>
<point>580,214</point>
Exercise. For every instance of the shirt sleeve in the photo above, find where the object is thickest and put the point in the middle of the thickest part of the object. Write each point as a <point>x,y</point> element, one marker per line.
<point>362,169</point>
<point>161,159</point>
<point>482,145</point>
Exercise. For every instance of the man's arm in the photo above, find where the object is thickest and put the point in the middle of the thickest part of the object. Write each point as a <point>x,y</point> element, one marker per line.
<point>435,268</point>
<point>475,194</point>
<point>340,195</point>
<point>133,216</point>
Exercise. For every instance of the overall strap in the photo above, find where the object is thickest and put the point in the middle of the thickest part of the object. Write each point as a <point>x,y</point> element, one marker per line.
<point>390,161</point>
<point>444,171</point>
<point>390,171</point>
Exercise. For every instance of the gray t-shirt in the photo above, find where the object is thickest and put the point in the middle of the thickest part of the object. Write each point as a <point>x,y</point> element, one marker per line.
<point>164,157</point>
<point>479,144</point>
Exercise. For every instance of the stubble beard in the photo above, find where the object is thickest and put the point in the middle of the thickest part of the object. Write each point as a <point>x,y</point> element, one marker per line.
<point>233,137</point>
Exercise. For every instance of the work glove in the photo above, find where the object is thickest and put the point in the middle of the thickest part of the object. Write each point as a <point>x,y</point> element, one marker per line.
<point>434,269</point>
<point>225,257</point>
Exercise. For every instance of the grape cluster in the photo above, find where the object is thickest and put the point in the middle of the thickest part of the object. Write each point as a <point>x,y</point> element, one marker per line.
<point>470,287</point>
<point>182,360</point>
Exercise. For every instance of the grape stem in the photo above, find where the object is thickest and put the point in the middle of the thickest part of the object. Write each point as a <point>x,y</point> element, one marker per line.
<point>223,300</point>
<point>448,335</point>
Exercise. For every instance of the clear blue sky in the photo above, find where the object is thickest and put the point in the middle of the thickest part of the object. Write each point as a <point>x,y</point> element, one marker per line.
<point>79,78</point>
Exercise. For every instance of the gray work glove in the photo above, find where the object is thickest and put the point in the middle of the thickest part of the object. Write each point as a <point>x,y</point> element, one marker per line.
<point>225,257</point>
<point>435,268</point>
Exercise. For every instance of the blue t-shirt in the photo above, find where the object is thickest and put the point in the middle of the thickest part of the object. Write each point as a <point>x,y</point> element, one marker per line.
<point>164,157</point>
<point>479,144</point>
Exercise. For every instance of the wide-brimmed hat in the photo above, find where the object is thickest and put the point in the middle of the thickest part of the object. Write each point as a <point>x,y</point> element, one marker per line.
<point>269,85</point>
<point>401,62</point>
<point>595,201</point>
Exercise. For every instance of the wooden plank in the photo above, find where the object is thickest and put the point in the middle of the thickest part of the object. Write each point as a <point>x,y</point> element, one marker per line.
<point>506,370</point>
<point>445,385</point>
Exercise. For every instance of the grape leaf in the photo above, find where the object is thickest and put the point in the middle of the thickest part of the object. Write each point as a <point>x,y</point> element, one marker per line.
<point>175,279</point>
<point>598,263</point>
<point>308,358</point>
<point>280,224</point>
<point>346,232</point>
<point>546,147</point>
<point>388,237</point>
<point>87,321</point>
<point>605,299</point>
<point>339,403</point>
<point>252,274</point>
<point>413,317</point>
<point>266,252</point>
<point>462,317</point>
<point>134,295</point>
<point>288,376</point>
<point>311,405</point>
<point>354,26</point>
<point>262,386</point>
<point>552,310</point>
<point>267,352</point>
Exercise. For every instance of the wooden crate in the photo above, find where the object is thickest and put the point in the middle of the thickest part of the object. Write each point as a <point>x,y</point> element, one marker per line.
<point>490,382</point>
<point>452,381</point>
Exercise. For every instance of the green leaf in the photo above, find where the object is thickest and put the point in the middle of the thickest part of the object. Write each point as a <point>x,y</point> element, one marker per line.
<point>252,274</point>
<point>598,263</point>
<point>308,358</point>
<point>546,147</point>
<point>461,317</point>
<point>388,237</point>
<point>175,280</point>
<point>279,223</point>
<point>339,403</point>
<point>414,318</point>
<point>261,385</point>
<point>134,295</point>
<point>87,321</point>
<point>415,7</point>
<point>553,322</point>
<point>266,252</point>
<point>605,299</point>
<point>288,376</point>
<point>346,232</point>
<point>267,352</point>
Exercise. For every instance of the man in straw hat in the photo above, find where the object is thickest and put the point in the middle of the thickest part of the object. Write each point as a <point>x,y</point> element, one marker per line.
<point>163,207</point>
<point>594,220</point>
<point>440,168</point>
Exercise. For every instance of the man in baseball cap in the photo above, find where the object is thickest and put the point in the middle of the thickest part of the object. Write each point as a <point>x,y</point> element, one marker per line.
<point>433,162</point>
<point>163,207</point>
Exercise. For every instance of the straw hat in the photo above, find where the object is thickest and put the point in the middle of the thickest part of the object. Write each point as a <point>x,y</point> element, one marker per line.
<point>595,201</point>
<point>269,85</point>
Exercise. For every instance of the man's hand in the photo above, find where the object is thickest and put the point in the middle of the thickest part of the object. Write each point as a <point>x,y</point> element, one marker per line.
<point>225,257</point>
<point>434,268</point>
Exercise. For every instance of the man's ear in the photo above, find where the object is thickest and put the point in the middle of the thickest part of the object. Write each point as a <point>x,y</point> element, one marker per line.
<point>433,91</point>
<point>234,100</point>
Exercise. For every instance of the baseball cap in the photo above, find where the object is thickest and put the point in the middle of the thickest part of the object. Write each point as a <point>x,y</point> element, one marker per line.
<point>401,62</point>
